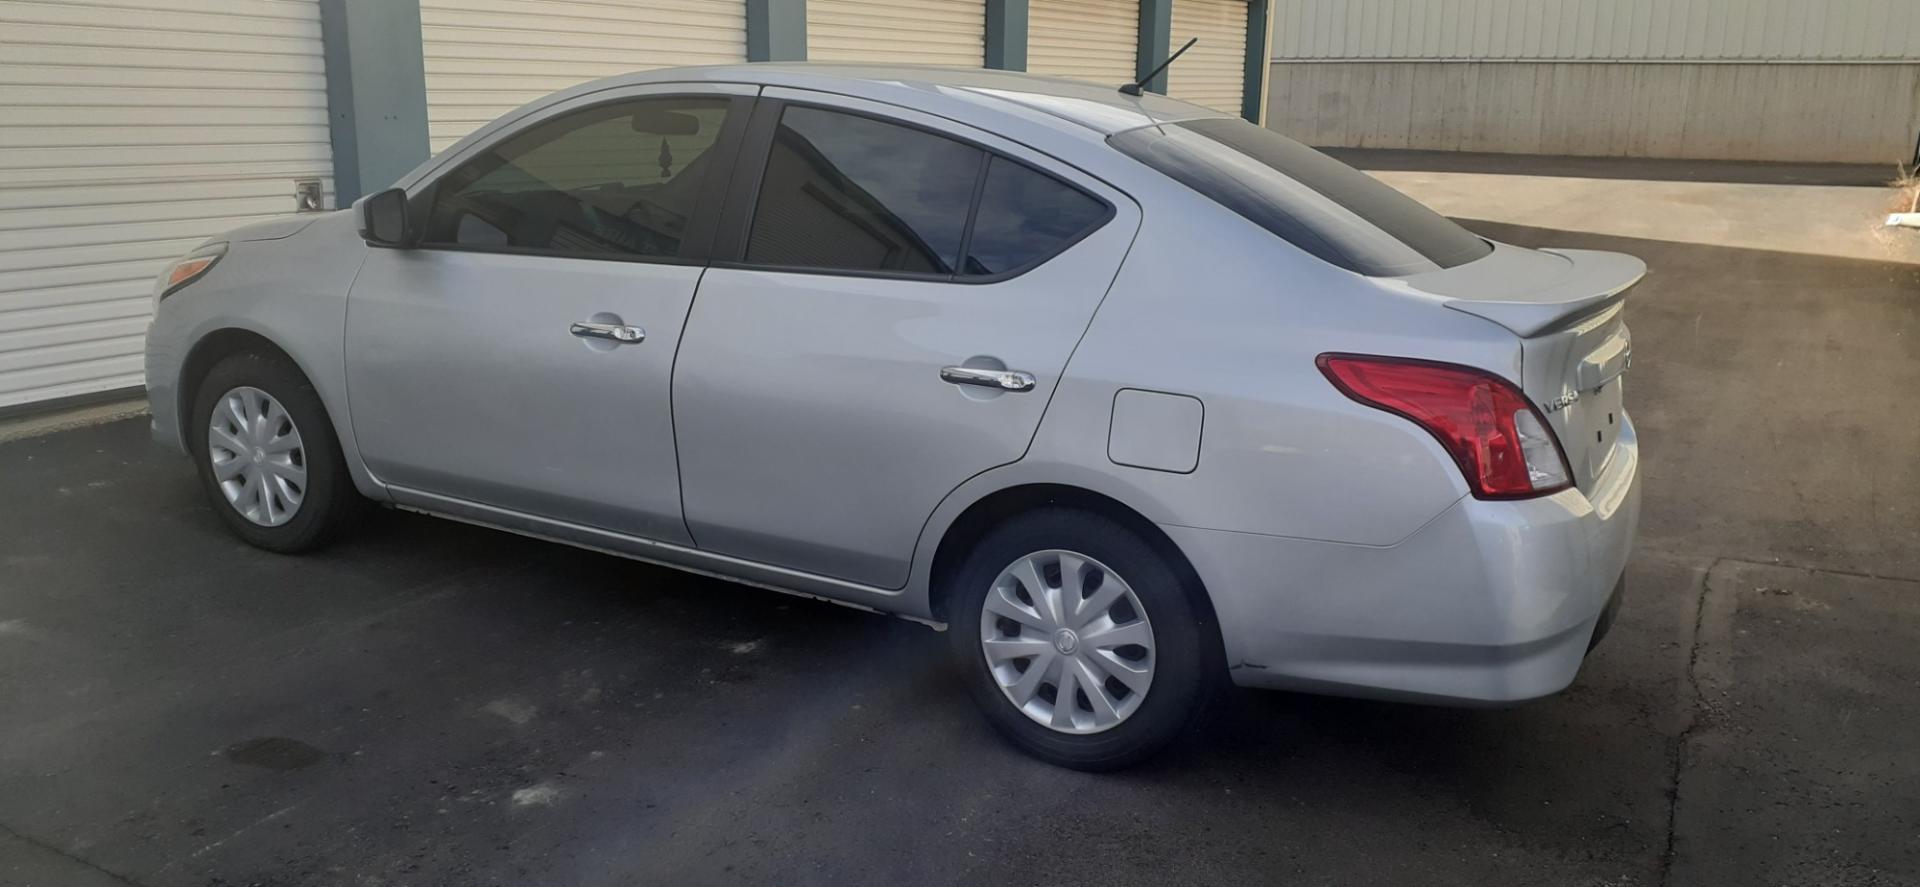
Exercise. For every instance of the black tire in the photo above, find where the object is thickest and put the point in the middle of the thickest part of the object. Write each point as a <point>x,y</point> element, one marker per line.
<point>329,501</point>
<point>1184,671</point>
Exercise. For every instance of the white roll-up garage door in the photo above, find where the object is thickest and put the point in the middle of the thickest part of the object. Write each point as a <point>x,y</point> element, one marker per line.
<point>1084,39</point>
<point>487,57</point>
<point>129,131</point>
<point>924,32</point>
<point>1213,72</point>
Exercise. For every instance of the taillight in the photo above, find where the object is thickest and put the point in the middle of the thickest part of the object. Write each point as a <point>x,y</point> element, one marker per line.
<point>1501,442</point>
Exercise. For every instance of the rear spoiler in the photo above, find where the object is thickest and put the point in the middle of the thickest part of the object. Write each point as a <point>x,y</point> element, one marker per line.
<point>1596,280</point>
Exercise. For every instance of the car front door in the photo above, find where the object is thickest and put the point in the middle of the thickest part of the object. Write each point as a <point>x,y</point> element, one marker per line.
<point>867,340</point>
<point>521,356</point>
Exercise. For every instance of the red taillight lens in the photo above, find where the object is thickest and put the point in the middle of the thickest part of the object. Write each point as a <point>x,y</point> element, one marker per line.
<point>1502,444</point>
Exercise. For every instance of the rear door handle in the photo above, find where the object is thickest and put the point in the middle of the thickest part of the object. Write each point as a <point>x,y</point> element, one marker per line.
<point>998,380</point>
<point>612,332</point>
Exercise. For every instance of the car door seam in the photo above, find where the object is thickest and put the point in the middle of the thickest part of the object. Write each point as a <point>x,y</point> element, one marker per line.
<point>1139,224</point>
<point>346,373</point>
<point>673,396</point>
<point>673,363</point>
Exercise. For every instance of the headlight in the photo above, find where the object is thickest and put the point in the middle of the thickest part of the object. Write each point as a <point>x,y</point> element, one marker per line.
<point>190,268</point>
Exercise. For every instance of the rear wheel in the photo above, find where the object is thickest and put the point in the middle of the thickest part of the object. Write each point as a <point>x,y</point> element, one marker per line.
<point>1079,642</point>
<point>267,455</point>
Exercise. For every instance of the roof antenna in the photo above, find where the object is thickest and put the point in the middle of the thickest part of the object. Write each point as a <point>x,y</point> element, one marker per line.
<point>1134,87</point>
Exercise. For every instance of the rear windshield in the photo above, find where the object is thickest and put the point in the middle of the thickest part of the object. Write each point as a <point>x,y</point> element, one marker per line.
<point>1312,201</point>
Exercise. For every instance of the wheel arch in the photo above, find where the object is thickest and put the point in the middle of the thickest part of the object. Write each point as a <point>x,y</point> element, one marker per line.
<point>207,352</point>
<point>992,509</point>
<point>213,346</point>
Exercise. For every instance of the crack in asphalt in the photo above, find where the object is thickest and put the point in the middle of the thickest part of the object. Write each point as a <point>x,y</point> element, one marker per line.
<point>1692,719</point>
<point>1674,553</point>
<point>1708,674</point>
<point>30,840</point>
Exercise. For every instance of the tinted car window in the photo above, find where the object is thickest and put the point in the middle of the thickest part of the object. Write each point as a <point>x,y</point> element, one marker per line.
<point>1313,201</point>
<point>849,192</point>
<point>1025,216</point>
<point>614,181</point>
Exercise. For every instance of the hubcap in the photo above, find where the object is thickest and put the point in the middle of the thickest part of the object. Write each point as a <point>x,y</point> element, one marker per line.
<point>1067,641</point>
<point>257,456</point>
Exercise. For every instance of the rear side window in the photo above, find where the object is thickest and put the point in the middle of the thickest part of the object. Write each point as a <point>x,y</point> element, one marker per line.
<point>853,193</point>
<point>1312,201</point>
<point>1026,216</point>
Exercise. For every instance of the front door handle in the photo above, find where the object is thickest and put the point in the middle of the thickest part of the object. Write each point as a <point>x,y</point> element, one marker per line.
<point>998,380</point>
<point>612,332</point>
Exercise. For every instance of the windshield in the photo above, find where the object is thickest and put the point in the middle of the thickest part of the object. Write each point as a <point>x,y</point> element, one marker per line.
<point>1312,201</point>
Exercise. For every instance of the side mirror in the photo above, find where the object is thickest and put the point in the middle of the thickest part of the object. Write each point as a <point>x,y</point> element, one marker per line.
<point>383,219</point>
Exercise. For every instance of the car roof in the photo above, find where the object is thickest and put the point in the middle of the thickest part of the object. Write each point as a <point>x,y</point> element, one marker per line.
<point>1051,115</point>
<point>1100,107</point>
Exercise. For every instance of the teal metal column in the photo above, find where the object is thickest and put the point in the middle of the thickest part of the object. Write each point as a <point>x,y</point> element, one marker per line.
<point>1254,93</point>
<point>1156,32</point>
<point>776,30</point>
<point>376,93</point>
<point>1007,34</point>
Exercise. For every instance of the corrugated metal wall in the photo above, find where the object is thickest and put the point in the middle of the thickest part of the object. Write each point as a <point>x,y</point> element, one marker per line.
<point>1802,113</point>
<point>1601,30</point>
<point>129,131</point>
<point>1213,72</point>
<point>1095,40</point>
<point>487,57</point>
<point>924,32</point>
<point>1784,80</point>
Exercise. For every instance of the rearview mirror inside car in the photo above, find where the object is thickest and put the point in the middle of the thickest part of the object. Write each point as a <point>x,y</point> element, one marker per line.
<point>383,219</point>
<point>666,123</point>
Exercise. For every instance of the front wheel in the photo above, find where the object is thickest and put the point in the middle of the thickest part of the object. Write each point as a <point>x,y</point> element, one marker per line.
<point>267,456</point>
<point>1080,643</point>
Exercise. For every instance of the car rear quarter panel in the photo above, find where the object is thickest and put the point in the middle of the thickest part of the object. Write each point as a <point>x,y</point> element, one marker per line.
<point>1210,306</point>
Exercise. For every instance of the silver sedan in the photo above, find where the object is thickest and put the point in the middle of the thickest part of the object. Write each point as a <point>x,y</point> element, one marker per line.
<point>1131,397</point>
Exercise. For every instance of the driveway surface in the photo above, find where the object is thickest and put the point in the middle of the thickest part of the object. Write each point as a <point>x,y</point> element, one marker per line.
<point>431,703</point>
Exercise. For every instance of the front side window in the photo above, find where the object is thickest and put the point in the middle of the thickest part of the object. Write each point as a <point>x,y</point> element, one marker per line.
<point>852,193</point>
<point>614,181</point>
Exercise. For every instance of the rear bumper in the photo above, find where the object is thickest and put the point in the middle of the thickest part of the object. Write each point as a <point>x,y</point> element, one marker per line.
<point>1488,603</point>
<point>1608,614</point>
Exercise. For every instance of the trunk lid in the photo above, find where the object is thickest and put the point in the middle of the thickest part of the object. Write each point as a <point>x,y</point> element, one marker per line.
<point>1566,306</point>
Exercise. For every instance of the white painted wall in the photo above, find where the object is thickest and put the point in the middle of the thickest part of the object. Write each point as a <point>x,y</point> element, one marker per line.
<point>487,57</point>
<point>130,130</point>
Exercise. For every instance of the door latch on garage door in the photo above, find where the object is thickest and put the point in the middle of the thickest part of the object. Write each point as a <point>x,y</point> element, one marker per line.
<point>307,196</point>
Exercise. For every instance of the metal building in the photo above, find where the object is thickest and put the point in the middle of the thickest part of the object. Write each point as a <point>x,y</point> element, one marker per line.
<point>132,129</point>
<point>1784,80</point>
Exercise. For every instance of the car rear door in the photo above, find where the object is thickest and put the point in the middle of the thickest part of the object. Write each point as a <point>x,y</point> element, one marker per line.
<point>520,358</point>
<point>844,367</point>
